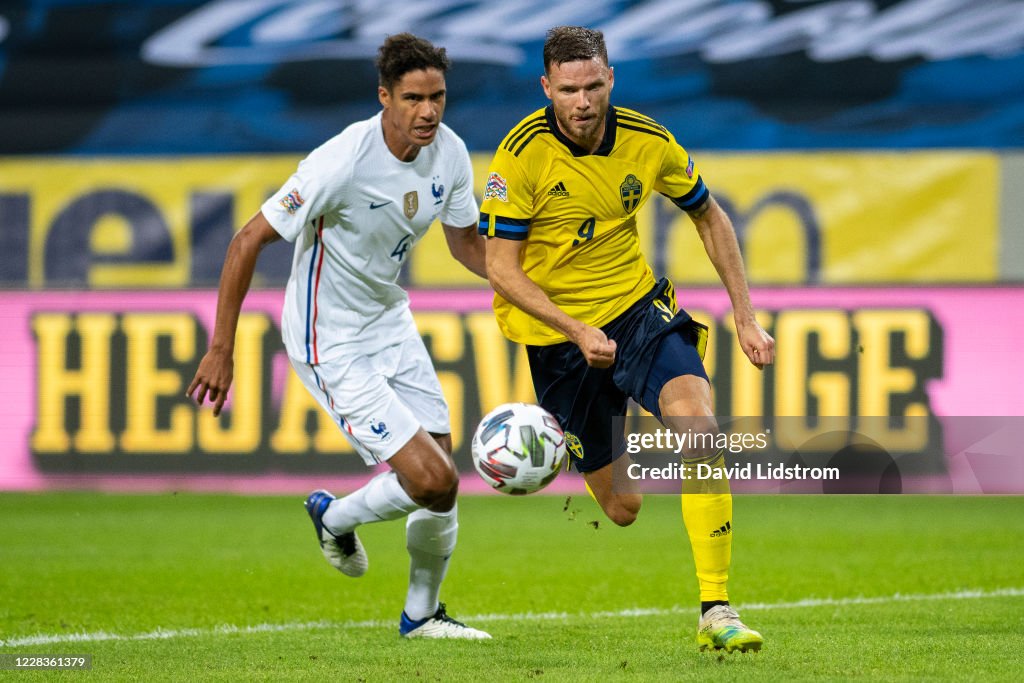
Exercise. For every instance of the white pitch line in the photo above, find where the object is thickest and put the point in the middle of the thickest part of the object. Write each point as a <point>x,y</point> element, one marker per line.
<point>228,629</point>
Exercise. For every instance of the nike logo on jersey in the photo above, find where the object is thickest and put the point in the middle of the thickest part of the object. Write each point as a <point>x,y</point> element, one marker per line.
<point>374,205</point>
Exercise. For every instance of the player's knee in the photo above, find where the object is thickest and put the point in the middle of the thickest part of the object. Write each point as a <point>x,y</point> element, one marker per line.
<point>436,487</point>
<point>695,419</point>
<point>624,510</point>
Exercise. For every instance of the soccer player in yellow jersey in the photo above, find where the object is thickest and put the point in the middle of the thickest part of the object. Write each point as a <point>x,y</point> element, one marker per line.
<point>560,206</point>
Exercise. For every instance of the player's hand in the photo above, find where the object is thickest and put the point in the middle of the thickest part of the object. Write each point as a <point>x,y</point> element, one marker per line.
<point>597,348</point>
<point>756,343</point>
<point>213,378</point>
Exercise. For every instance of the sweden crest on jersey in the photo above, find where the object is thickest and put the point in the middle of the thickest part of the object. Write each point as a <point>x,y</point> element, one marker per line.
<point>631,189</point>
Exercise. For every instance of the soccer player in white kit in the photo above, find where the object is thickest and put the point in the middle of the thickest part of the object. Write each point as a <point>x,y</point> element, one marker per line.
<point>354,208</point>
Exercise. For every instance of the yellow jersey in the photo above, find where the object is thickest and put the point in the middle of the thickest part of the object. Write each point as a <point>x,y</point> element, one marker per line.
<point>577,213</point>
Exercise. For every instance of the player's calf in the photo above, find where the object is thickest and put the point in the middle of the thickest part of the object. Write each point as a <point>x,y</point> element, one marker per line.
<point>615,492</point>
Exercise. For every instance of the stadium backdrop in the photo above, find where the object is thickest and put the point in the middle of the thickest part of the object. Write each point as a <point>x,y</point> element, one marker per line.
<point>882,270</point>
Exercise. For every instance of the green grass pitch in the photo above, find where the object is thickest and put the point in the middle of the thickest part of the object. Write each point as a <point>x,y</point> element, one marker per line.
<point>179,587</point>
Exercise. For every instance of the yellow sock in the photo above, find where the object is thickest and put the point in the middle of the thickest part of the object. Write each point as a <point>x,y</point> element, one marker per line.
<point>708,520</point>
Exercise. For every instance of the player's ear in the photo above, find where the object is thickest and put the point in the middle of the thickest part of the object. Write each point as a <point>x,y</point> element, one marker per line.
<point>611,78</point>
<point>546,84</point>
<point>383,96</point>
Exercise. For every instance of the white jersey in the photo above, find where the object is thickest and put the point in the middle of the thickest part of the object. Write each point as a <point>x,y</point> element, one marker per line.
<point>354,211</point>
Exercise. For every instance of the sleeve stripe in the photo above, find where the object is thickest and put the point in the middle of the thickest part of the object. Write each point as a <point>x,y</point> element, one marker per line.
<point>534,134</point>
<point>512,138</point>
<point>506,143</point>
<point>526,141</point>
<point>502,226</point>
<point>649,131</point>
<point>638,118</point>
<point>694,198</point>
<point>634,113</point>
<point>486,218</point>
<point>499,231</point>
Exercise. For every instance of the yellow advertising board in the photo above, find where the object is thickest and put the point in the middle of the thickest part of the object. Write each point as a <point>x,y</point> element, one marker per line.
<point>830,218</point>
<point>807,218</point>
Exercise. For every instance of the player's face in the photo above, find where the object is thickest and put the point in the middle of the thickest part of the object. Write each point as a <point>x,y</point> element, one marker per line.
<point>580,92</point>
<point>413,108</point>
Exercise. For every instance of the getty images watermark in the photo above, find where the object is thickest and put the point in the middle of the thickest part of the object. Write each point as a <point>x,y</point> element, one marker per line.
<point>702,457</point>
<point>819,455</point>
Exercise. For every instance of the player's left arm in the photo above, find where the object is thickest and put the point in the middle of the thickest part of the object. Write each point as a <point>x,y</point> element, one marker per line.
<point>467,246</point>
<point>460,214</point>
<point>720,243</point>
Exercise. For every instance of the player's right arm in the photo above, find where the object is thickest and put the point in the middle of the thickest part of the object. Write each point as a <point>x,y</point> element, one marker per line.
<point>216,369</point>
<point>505,273</point>
<point>505,215</point>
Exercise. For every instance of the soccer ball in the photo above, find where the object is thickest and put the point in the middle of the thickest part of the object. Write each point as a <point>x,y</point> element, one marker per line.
<point>518,448</point>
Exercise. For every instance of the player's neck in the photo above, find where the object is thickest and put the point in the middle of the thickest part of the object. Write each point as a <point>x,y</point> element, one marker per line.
<point>403,152</point>
<point>402,149</point>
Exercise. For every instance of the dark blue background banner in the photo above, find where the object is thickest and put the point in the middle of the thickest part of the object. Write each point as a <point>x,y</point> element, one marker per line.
<point>182,76</point>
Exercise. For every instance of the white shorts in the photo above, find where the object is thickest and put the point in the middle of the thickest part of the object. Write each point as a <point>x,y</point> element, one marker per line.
<point>381,400</point>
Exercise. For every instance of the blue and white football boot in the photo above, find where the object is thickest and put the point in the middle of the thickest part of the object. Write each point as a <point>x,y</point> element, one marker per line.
<point>345,553</point>
<point>439,625</point>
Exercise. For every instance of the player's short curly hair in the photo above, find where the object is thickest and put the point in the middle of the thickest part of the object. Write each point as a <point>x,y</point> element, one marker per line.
<point>405,52</point>
<point>573,43</point>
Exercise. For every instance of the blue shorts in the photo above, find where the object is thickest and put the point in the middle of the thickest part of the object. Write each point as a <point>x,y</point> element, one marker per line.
<point>656,342</point>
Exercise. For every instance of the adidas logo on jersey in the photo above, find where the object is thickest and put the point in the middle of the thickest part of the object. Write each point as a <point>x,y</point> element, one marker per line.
<point>558,191</point>
<point>723,531</point>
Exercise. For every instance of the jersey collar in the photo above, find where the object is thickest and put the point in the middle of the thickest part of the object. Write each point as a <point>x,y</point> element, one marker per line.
<point>607,142</point>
